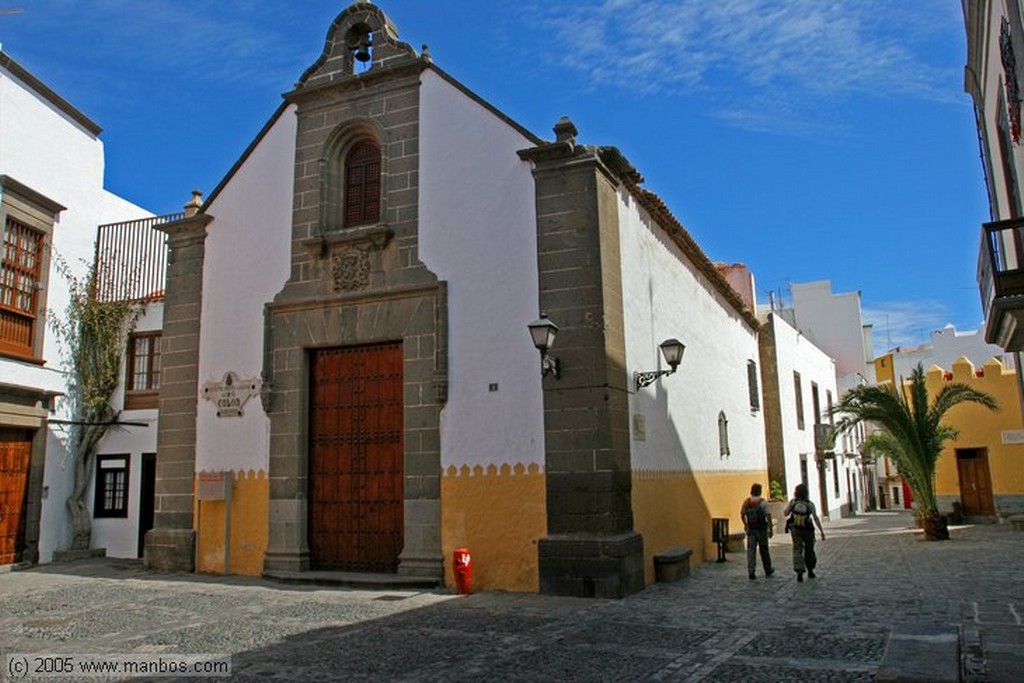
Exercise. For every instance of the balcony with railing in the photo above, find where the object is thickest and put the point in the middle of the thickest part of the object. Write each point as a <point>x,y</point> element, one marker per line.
<point>1003,283</point>
<point>131,259</point>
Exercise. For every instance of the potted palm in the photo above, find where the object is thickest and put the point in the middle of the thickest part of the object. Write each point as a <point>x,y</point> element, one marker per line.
<point>911,433</point>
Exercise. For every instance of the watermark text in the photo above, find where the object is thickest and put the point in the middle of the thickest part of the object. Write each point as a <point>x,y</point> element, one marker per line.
<point>29,667</point>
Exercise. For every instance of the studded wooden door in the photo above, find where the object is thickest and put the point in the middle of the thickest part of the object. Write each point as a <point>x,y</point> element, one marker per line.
<point>15,454</point>
<point>975,482</point>
<point>356,452</point>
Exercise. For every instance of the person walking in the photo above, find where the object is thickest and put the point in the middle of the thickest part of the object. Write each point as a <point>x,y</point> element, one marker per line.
<point>801,517</point>
<point>757,522</point>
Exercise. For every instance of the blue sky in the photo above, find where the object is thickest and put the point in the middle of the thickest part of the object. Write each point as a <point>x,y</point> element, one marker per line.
<point>809,139</point>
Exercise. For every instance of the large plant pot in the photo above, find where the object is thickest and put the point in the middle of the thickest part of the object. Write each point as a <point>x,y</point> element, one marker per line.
<point>935,526</point>
<point>778,521</point>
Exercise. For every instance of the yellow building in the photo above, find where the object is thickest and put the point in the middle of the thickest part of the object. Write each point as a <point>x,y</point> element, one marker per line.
<point>980,470</point>
<point>892,491</point>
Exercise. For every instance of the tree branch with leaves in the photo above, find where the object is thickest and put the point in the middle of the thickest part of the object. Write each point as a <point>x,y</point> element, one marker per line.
<point>93,335</point>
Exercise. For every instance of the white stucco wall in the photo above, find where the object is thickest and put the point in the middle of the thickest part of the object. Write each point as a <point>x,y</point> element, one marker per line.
<point>946,346</point>
<point>119,535</point>
<point>795,353</point>
<point>478,232</point>
<point>248,255</point>
<point>45,149</point>
<point>833,322</point>
<point>986,74</point>
<point>665,296</point>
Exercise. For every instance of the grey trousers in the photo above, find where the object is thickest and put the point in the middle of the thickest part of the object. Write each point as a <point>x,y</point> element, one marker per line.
<point>758,540</point>
<point>804,558</point>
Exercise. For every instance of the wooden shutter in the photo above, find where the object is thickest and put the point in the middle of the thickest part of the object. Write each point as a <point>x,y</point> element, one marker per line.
<point>362,185</point>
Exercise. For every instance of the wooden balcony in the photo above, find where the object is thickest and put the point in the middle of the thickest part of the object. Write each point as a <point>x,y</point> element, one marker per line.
<point>131,259</point>
<point>1003,243</point>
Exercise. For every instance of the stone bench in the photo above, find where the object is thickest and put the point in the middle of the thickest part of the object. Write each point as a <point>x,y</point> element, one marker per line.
<point>1017,522</point>
<point>737,542</point>
<point>672,564</point>
<point>921,652</point>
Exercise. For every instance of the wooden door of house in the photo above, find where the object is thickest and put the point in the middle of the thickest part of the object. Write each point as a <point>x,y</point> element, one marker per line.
<point>15,455</point>
<point>356,454</point>
<point>975,482</point>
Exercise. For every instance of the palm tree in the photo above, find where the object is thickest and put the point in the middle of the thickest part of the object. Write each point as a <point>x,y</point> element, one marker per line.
<point>911,433</point>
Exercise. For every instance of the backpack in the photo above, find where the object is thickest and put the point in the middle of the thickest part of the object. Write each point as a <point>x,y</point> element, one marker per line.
<point>754,518</point>
<point>800,515</point>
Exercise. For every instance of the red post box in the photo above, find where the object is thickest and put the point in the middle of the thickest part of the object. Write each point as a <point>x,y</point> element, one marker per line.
<point>462,564</point>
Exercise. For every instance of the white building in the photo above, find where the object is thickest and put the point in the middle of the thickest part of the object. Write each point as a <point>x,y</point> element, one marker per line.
<point>51,180</point>
<point>946,346</point>
<point>799,391</point>
<point>992,77</point>
<point>346,378</point>
<point>833,323</point>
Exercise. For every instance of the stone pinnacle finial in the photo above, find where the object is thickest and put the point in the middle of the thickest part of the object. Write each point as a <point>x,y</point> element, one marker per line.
<point>194,205</point>
<point>565,130</point>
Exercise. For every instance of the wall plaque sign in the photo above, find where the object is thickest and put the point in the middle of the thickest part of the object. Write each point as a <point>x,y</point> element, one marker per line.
<point>231,393</point>
<point>211,486</point>
<point>639,427</point>
<point>1012,436</point>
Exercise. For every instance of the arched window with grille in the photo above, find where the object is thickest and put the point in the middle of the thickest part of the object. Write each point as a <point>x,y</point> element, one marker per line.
<point>362,184</point>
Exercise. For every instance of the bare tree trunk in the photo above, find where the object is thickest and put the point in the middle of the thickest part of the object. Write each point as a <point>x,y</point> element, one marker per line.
<point>88,436</point>
<point>81,524</point>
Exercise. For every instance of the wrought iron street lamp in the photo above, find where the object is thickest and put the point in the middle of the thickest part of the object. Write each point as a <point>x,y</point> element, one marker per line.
<point>543,332</point>
<point>672,349</point>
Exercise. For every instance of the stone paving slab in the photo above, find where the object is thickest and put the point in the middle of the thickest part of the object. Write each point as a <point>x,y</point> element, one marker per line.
<point>875,574</point>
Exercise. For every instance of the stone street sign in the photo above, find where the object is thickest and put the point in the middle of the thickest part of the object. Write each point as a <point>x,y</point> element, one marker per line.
<point>231,393</point>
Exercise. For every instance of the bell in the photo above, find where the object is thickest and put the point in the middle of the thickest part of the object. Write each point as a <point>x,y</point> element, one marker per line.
<point>361,48</point>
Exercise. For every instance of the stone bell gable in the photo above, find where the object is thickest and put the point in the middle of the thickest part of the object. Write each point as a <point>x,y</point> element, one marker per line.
<point>357,284</point>
<point>361,31</point>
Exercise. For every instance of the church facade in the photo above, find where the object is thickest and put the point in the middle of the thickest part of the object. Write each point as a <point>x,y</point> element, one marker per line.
<point>347,382</point>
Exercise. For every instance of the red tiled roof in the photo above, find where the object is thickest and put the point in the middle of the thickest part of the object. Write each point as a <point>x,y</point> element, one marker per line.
<point>663,216</point>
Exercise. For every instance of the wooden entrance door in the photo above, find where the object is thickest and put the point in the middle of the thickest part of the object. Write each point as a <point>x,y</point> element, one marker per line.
<point>356,453</point>
<point>15,454</point>
<point>975,482</point>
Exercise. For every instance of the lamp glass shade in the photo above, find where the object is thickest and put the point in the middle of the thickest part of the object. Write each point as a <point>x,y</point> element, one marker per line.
<point>543,332</point>
<point>673,349</point>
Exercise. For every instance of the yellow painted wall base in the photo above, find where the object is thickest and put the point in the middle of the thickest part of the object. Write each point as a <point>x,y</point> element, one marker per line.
<point>250,499</point>
<point>498,514</point>
<point>674,509</point>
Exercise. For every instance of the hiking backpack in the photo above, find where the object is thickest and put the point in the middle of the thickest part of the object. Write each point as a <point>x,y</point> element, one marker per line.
<point>800,515</point>
<point>754,518</point>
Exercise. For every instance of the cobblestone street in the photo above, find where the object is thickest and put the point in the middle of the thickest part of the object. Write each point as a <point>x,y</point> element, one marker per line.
<point>874,573</point>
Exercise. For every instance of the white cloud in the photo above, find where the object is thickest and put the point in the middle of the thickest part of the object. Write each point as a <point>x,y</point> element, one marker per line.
<point>798,55</point>
<point>232,41</point>
<point>904,323</point>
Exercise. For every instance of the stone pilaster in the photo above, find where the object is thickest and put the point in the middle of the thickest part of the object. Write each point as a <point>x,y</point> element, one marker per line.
<point>591,549</point>
<point>768,354</point>
<point>170,545</point>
